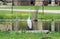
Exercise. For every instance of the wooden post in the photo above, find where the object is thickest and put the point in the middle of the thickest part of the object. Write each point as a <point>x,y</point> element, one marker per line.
<point>52,26</point>
<point>40,25</point>
<point>35,18</point>
<point>17,24</point>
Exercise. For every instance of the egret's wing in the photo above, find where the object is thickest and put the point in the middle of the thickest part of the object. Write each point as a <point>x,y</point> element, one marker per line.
<point>29,23</point>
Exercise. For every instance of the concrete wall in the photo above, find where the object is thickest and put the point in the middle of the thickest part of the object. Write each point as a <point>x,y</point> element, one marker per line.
<point>59,3</point>
<point>37,3</point>
<point>1,3</point>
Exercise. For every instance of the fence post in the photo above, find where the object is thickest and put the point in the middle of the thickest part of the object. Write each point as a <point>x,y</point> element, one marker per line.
<point>52,26</point>
<point>35,18</point>
<point>40,25</point>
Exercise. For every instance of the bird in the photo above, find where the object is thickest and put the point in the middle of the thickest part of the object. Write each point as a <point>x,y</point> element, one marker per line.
<point>29,22</point>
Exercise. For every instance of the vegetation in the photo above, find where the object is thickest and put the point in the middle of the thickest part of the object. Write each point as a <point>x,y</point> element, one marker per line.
<point>33,7</point>
<point>24,15</point>
<point>23,25</point>
<point>16,35</point>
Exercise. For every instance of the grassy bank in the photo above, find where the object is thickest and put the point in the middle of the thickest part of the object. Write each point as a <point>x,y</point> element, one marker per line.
<point>33,7</point>
<point>15,35</point>
<point>24,15</point>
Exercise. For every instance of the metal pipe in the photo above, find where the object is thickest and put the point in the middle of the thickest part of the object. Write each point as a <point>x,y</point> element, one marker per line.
<point>12,14</point>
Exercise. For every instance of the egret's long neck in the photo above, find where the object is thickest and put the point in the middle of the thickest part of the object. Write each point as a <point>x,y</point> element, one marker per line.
<point>29,14</point>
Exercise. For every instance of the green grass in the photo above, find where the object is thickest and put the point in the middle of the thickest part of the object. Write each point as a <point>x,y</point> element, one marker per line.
<point>24,15</point>
<point>33,7</point>
<point>15,35</point>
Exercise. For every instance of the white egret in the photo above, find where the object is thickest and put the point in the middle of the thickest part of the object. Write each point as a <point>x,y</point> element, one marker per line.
<point>29,22</point>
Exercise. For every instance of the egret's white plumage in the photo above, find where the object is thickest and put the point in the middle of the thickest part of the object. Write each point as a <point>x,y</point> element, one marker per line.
<point>29,22</point>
